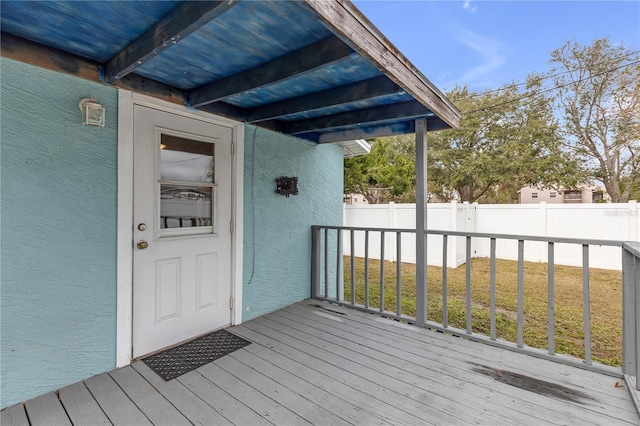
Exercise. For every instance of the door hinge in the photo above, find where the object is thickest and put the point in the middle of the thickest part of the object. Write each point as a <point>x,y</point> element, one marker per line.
<point>232,226</point>
<point>231,303</point>
<point>233,148</point>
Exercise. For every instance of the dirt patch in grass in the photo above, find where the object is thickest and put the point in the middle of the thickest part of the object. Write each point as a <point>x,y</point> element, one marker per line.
<point>605,302</point>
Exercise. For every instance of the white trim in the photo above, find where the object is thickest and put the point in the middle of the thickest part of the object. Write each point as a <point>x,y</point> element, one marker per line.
<point>237,238</point>
<point>354,148</point>
<point>124,317</point>
<point>124,297</point>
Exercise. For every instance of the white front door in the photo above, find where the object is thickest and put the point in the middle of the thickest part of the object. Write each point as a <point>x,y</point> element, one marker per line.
<point>181,228</point>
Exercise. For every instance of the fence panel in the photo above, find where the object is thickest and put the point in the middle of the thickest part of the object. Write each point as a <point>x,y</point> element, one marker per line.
<point>583,221</point>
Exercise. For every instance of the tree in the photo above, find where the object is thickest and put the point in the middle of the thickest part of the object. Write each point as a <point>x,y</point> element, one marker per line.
<point>507,139</point>
<point>387,173</point>
<point>599,98</point>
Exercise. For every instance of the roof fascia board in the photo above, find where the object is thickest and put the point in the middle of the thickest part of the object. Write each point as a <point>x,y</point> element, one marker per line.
<point>361,116</point>
<point>346,21</point>
<point>301,61</point>
<point>362,90</point>
<point>185,19</point>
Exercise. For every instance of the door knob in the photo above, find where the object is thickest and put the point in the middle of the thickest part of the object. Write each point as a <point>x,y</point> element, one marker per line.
<point>142,244</point>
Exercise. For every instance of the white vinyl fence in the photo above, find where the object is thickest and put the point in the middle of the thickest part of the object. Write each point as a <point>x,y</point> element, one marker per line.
<point>583,221</point>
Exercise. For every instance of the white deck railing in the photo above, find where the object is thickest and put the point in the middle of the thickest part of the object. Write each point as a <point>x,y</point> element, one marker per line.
<point>328,278</point>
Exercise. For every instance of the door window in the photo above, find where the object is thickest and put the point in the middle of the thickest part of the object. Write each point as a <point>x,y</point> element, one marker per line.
<point>187,185</point>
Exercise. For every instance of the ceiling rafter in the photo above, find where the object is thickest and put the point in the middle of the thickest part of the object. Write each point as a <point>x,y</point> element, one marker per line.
<point>368,133</point>
<point>434,123</point>
<point>174,27</point>
<point>362,90</point>
<point>294,64</point>
<point>360,116</point>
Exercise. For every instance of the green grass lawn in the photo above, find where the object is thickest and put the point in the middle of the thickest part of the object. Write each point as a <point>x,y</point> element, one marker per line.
<point>605,293</point>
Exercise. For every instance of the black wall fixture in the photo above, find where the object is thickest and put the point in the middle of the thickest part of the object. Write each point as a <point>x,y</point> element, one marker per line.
<point>287,186</point>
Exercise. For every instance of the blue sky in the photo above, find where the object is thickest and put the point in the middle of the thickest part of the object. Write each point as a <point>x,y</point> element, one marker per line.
<point>486,44</point>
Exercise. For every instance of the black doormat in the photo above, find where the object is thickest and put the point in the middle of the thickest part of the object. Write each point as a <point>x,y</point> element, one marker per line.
<point>177,361</point>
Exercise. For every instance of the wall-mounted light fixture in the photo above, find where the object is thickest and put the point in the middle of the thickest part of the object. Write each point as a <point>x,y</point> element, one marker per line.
<point>93,114</point>
<point>287,186</point>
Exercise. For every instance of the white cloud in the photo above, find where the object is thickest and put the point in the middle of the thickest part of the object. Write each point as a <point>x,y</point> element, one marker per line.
<point>492,57</point>
<point>467,6</point>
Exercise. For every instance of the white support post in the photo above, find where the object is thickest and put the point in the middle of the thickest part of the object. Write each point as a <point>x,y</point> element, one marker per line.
<point>421,221</point>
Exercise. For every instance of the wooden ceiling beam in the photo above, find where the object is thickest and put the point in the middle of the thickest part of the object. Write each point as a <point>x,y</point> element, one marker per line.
<point>362,90</point>
<point>370,132</point>
<point>410,109</point>
<point>434,123</point>
<point>301,61</point>
<point>178,24</point>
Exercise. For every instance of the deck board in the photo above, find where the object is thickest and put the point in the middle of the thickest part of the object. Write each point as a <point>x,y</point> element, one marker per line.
<point>464,349</point>
<point>450,352</point>
<point>447,376</point>
<point>430,402</point>
<point>114,402</point>
<point>306,409</point>
<point>194,408</point>
<point>321,364</point>
<point>46,410</point>
<point>80,406</point>
<point>454,387</point>
<point>370,396</point>
<point>232,409</point>
<point>306,388</point>
<point>157,409</point>
<point>403,395</point>
<point>245,393</point>
<point>14,416</point>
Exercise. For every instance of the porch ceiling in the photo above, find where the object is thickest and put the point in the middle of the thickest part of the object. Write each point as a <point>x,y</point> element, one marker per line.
<point>315,69</point>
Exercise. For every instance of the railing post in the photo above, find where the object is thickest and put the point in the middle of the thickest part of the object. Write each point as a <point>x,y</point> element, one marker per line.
<point>399,273</point>
<point>381,271</point>
<point>326,262</point>
<point>445,298</point>
<point>586,304</point>
<point>339,283</point>
<point>421,221</point>
<point>520,324</point>
<point>551,298</point>
<point>353,268</point>
<point>315,262</point>
<point>468,285</point>
<point>630,312</point>
<point>492,287</point>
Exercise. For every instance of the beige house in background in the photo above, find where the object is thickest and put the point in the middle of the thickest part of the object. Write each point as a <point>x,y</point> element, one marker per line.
<point>589,194</point>
<point>355,199</point>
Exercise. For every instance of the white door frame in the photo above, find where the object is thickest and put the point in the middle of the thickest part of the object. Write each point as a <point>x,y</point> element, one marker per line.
<point>124,315</point>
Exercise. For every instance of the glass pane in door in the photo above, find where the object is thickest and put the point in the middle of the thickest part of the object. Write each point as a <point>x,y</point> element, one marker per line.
<point>186,160</point>
<point>187,182</point>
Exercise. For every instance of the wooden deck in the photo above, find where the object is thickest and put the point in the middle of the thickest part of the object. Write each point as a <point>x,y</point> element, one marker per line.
<point>314,363</point>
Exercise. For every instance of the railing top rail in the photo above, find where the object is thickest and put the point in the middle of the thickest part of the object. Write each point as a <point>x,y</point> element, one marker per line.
<point>561,240</point>
<point>633,247</point>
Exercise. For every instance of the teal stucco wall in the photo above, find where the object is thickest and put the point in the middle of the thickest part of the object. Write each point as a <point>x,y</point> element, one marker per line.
<point>277,230</point>
<point>58,227</point>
